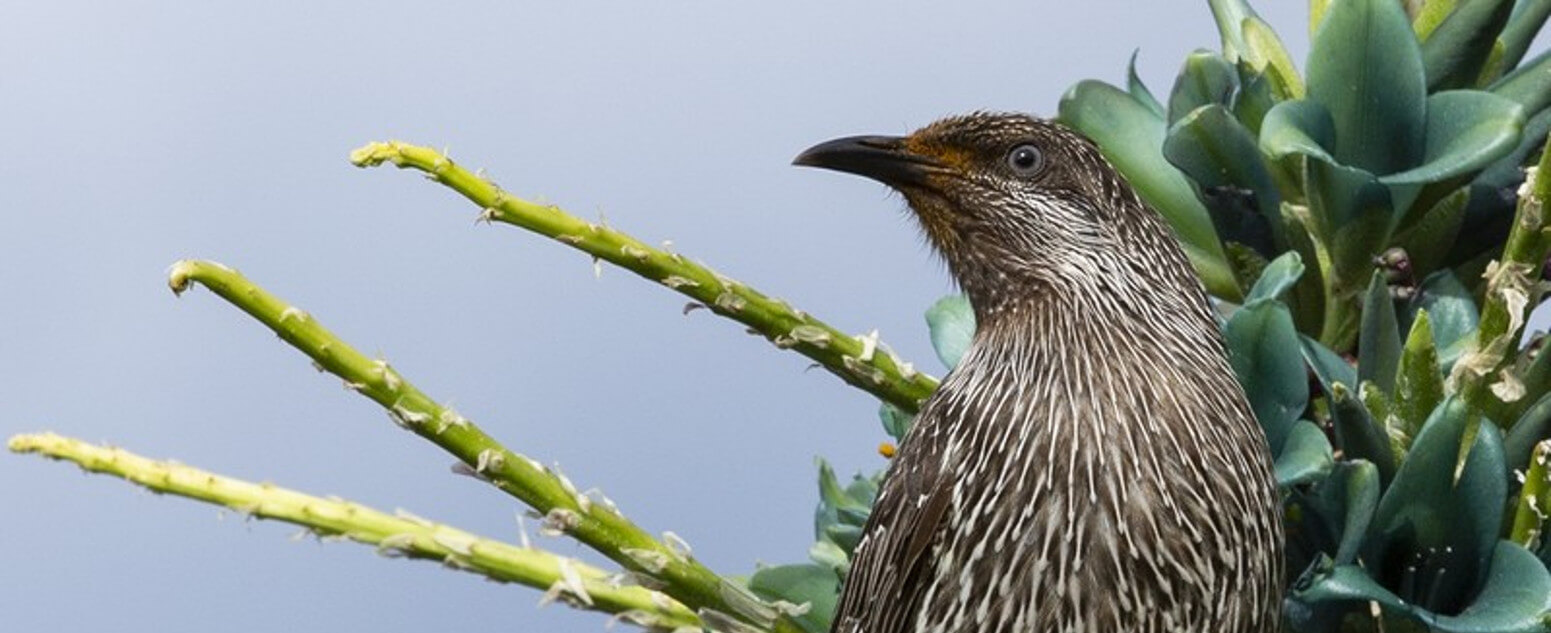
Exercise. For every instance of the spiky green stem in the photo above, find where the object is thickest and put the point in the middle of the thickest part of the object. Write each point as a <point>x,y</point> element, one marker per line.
<point>596,523</point>
<point>1534,513</point>
<point>860,361</point>
<point>1510,287</point>
<point>570,580</point>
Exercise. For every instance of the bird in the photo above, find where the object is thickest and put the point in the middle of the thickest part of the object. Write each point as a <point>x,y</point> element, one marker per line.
<point>1092,463</point>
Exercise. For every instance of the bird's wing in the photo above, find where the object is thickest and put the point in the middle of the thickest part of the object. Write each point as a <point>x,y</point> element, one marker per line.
<point>893,564</point>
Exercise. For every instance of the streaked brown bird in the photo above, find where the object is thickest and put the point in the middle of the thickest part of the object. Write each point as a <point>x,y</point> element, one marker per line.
<point>1092,464</point>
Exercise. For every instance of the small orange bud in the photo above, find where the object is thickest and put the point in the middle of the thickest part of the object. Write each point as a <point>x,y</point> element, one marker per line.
<point>886,449</point>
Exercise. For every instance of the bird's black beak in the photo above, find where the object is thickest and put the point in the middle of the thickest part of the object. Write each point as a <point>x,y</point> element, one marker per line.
<point>882,158</point>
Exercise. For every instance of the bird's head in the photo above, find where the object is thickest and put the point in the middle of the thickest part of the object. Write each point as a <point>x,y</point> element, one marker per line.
<point>1018,206</point>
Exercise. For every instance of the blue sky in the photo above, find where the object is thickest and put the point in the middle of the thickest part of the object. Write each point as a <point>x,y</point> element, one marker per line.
<point>139,133</point>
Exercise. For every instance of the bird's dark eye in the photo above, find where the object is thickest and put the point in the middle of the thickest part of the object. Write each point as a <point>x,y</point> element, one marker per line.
<point>1025,160</point>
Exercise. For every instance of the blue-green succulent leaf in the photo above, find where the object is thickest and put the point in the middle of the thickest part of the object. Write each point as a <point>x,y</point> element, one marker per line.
<point>1365,67</point>
<point>1329,368</point>
<point>1451,311</point>
<point>1456,51</point>
<point>1220,154</point>
<point>1254,100</point>
<point>1523,25</point>
<point>817,585</point>
<point>1131,136</point>
<point>1205,79</point>
<point>1277,277</point>
<point>1516,598</point>
<point>895,421</point>
<point>1429,520</point>
<point>951,323</point>
<point>1428,239</point>
<point>1507,172</point>
<point>1531,428</point>
<point>1230,16</point>
<point>1139,90</point>
<point>1529,85</point>
<point>1356,216</point>
<point>1378,344</point>
<point>1360,486</point>
<point>1265,53</point>
<point>1305,456</point>
<point>1298,127</point>
<point>1359,436</point>
<point>1466,131</point>
<point>1263,349</point>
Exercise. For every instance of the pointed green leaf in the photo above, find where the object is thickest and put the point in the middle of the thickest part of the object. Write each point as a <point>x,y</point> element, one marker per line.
<point>1419,385</point>
<point>1305,456</point>
<point>1531,428</point>
<point>1523,25</point>
<point>1466,131</point>
<point>816,585</point>
<point>1229,15</point>
<point>1139,90</point>
<point>1355,215</point>
<point>951,322</point>
<point>1215,150</point>
<point>1445,522</point>
<point>1329,368</point>
<point>1507,172</point>
<point>1267,55</point>
<point>1358,435</point>
<point>1277,277</point>
<point>1365,67</point>
<point>1529,85</point>
<point>1298,127</point>
<point>1451,311</point>
<point>1378,344</point>
<point>1254,100</point>
<point>1205,79</point>
<point>1428,239</point>
<point>1131,137</point>
<point>1456,51</point>
<point>1263,349</point>
<point>1360,485</point>
<point>1432,14</point>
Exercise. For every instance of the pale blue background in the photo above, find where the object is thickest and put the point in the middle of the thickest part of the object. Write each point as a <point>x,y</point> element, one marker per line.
<point>135,134</point>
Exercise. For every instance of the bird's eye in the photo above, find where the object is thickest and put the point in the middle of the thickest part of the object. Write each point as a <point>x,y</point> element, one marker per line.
<point>1025,160</point>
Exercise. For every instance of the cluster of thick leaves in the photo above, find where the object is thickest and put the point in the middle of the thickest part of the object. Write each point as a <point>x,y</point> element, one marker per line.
<point>1387,142</point>
<point>1406,517</point>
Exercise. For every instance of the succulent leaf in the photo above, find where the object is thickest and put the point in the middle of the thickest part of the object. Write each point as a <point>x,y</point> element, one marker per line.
<point>1298,127</point>
<point>1139,90</point>
<point>1529,85</point>
<point>1451,313</point>
<point>1531,428</point>
<point>815,585</point>
<point>1466,131</point>
<point>1430,520</point>
<point>1305,456</point>
<point>1419,385</point>
<point>951,324</point>
<point>1359,435</point>
<point>1206,79</point>
<point>1457,50</point>
<point>1222,156</point>
<point>1355,214</point>
<point>1230,15</point>
<point>1523,25</point>
<point>1263,349</point>
<point>1329,368</point>
<point>1276,278</point>
<point>1378,345</point>
<point>1428,239</point>
<point>1365,67</point>
<point>1267,55</point>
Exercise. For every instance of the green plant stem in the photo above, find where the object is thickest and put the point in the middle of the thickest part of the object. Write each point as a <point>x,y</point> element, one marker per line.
<point>595,523</point>
<point>572,581</point>
<point>1510,289</point>
<point>1534,512</point>
<point>857,360</point>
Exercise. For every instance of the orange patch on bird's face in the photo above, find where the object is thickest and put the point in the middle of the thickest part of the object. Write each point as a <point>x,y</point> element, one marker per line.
<point>957,159</point>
